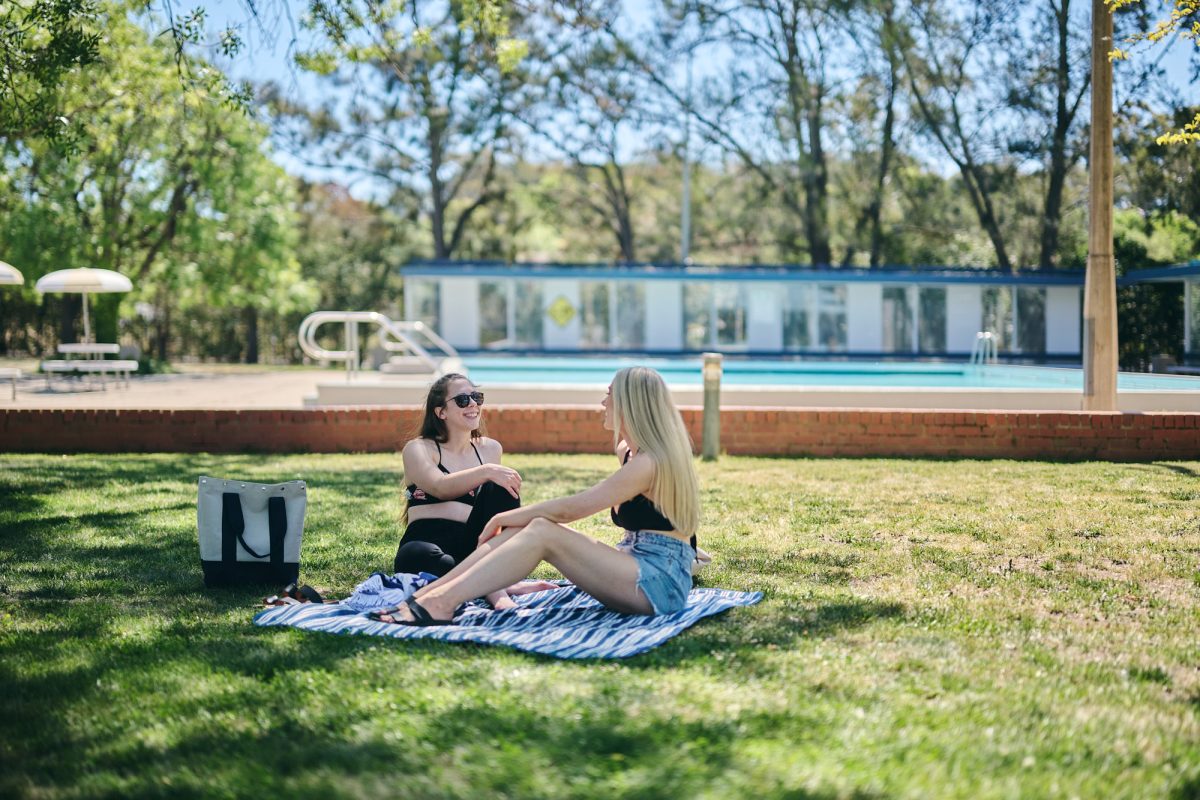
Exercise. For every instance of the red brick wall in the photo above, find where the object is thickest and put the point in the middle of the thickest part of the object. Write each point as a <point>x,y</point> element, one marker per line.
<point>565,429</point>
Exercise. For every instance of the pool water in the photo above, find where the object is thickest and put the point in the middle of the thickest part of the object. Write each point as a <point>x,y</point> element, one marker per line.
<point>534,370</point>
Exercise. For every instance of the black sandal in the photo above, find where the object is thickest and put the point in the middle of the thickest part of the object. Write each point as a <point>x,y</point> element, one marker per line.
<point>302,594</point>
<point>421,617</point>
<point>308,594</point>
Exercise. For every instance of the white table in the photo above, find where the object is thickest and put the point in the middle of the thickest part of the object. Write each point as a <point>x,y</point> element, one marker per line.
<point>90,349</point>
<point>93,362</point>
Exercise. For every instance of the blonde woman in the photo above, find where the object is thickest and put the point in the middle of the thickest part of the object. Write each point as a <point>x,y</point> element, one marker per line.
<point>654,496</point>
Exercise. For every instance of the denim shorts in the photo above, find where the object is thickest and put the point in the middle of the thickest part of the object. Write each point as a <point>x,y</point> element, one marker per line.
<point>664,568</point>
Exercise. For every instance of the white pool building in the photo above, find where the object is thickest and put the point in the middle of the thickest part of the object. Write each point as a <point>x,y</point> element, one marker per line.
<point>760,310</point>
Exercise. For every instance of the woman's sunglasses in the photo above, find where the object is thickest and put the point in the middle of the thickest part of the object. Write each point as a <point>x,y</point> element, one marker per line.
<point>463,400</point>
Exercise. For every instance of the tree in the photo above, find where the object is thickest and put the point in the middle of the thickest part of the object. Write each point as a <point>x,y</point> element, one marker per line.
<point>1183,21</point>
<point>950,53</point>
<point>1047,87</point>
<point>41,42</point>
<point>169,185</point>
<point>424,108</point>
<point>771,108</point>
<point>591,109</point>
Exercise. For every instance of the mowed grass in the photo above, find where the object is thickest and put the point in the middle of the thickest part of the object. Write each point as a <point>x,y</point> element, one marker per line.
<point>930,629</point>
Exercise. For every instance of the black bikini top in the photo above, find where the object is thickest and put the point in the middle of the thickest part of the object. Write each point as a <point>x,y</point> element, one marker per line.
<point>419,497</point>
<point>638,513</point>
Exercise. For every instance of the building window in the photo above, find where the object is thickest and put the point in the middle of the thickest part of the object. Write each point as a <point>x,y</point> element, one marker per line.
<point>797,314</point>
<point>1031,320</point>
<point>831,316</point>
<point>1193,315</point>
<point>897,320</point>
<point>630,300</point>
<point>729,311</point>
<point>424,301</point>
<point>998,316</point>
<point>493,313</point>
<point>931,320</point>
<point>697,315</point>
<point>593,314</point>
<point>528,314</point>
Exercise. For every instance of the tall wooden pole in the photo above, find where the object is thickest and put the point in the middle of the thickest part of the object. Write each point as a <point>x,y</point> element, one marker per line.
<point>1100,286</point>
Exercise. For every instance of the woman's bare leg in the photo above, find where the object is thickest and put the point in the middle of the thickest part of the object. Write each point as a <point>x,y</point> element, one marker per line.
<point>470,560</point>
<point>602,571</point>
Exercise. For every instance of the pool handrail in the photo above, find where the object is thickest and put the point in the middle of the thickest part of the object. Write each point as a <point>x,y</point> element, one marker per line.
<point>983,351</point>
<point>396,336</point>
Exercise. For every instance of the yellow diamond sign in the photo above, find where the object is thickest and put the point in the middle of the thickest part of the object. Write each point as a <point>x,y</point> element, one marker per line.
<point>561,311</point>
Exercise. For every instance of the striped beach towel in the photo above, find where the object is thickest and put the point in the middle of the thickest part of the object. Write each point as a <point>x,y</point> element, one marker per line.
<point>565,623</point>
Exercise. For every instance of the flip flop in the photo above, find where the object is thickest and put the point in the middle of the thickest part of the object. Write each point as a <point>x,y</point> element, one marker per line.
<point>421,617</point>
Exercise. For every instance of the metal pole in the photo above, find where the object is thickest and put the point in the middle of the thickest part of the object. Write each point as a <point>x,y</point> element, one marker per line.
<point>1100,288</point>
<point>87,330</point>
<point>710,446</point>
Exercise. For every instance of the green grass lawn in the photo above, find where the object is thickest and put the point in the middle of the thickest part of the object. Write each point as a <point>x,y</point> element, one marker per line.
<point>930,628</point>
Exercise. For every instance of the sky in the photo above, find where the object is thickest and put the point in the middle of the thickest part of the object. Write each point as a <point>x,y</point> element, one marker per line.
<point>272,41</point>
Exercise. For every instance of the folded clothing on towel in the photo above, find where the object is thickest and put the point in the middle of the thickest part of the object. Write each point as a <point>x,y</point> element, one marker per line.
<point>384,591</point>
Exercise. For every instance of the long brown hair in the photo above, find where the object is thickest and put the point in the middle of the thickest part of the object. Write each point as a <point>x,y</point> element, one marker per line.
<point>432,426</point>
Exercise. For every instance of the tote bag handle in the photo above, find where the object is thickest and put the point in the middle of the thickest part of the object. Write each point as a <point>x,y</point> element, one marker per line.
<point>233,528</point>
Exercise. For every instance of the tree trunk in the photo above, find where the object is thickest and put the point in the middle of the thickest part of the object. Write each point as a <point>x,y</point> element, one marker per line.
<point>887,147</point>
<point>1063,117</point>
<point>251,316</point>
<point>981,199</point>
<point>163,332</point>
<point>68,310</point>
<point>816,190</point>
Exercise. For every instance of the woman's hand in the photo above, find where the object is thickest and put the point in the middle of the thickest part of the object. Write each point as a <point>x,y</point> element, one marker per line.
<point>506,477</point>
<point>493,527</point>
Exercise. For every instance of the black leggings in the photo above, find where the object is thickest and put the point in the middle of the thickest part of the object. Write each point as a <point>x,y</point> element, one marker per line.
<point>437,545</point>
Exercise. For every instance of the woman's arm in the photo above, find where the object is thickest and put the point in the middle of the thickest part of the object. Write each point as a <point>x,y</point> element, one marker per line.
<point>421,468</point>
<point>630,480</point>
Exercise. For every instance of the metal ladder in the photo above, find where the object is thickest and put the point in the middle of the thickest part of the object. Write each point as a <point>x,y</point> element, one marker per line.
<point>983,351</point>
<point>395,337</point>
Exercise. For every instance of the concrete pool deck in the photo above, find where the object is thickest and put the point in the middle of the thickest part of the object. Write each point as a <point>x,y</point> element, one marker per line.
<point>193,386</point>
<point>201,386</point>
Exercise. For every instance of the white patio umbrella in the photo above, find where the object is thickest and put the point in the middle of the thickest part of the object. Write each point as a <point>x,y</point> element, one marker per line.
<point>10,275</point>
<point>84,280</point>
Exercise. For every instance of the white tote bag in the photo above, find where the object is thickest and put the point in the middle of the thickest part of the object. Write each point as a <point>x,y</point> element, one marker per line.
<point>250,532</point>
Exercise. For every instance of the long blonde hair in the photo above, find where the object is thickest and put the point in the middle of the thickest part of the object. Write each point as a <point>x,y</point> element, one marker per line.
<point>642,407</point>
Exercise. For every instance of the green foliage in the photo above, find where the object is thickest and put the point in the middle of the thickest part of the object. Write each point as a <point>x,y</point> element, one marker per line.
<point>41,43</point>
<point>1150,316</point>
<point>1184,23</point>
<point>994,629</point>
<point>173,188</point>
<point>429,114</point>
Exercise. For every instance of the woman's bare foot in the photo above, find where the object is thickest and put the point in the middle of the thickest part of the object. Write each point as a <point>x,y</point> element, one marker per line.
<point>502,602</point>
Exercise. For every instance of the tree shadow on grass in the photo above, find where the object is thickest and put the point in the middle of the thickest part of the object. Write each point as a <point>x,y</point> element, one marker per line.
<point>1178,469</point>
<point>482,747</point>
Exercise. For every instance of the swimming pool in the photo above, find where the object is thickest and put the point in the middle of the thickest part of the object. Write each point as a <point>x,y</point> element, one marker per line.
<point>581,380</point>
<point>764,372</point>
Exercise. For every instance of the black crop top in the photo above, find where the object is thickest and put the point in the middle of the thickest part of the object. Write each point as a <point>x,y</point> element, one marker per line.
<point>638,513</point>
<point>419,497</point>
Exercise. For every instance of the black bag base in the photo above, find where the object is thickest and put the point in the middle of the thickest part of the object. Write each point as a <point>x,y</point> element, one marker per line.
<point>223,573</point>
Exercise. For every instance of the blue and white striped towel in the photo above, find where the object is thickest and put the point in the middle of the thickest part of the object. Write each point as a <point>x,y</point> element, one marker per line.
<point>565,623</point>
